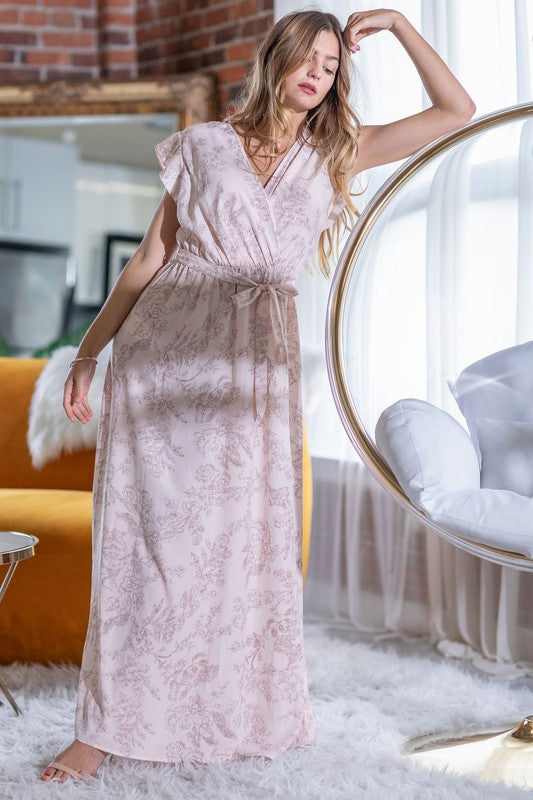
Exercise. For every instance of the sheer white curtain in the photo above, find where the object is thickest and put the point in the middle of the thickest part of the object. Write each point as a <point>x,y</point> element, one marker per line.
<point>370,562</point>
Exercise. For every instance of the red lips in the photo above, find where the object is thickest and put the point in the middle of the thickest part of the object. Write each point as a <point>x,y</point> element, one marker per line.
<point>308,86</point>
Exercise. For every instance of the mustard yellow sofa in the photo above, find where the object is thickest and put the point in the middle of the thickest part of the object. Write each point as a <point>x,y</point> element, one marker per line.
<point>44,613</point>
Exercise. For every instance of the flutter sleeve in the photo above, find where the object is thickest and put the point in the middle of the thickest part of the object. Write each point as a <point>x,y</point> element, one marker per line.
<point>170,157</point>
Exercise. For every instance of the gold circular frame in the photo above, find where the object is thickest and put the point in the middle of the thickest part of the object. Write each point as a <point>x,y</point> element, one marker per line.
<point>334,318</point>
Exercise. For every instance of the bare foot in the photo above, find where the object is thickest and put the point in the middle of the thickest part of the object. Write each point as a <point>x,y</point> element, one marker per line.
<point>84,758</point>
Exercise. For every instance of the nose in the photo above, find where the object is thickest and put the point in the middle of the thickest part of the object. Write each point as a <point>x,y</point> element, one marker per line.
<point>314,70</point>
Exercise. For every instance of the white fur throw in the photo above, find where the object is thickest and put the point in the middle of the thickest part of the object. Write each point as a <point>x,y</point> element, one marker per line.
<point>50,432</point>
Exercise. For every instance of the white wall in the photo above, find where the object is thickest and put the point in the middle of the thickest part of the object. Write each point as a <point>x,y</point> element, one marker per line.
<point>109,199</point>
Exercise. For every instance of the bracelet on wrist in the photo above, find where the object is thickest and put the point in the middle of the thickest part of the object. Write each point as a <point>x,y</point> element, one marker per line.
<point>83,358</point>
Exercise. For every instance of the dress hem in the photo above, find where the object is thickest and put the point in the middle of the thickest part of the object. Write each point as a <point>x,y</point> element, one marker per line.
<point>214,760</point>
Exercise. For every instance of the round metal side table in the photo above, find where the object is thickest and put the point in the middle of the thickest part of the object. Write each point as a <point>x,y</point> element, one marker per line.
<point>14,547</point>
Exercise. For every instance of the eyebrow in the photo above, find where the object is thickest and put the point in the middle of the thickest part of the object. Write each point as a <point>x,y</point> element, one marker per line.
<point>334,58</point>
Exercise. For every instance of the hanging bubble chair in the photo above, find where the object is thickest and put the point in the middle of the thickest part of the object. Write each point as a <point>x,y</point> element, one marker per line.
<point>429,350</point>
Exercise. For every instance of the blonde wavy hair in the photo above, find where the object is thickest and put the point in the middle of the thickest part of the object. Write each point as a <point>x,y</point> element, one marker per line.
<point>333,125</point>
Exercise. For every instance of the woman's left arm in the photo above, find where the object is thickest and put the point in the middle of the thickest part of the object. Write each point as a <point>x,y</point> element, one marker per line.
<point>452,105</point>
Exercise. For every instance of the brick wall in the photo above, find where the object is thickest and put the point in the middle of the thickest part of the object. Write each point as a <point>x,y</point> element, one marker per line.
<point>43,40</point>
<point>198,35</point>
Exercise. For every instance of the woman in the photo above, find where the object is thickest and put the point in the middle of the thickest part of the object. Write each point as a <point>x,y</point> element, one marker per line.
<point>194,649</point>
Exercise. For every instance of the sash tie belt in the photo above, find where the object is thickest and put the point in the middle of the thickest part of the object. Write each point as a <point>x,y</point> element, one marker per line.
<point>252,292</point>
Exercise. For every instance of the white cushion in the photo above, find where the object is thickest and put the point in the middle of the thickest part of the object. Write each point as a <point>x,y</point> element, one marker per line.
<point>506,455</point>
<point>495,517</point>
<point>435,463</point>
<point>427,449</point>
<point>499,386</point>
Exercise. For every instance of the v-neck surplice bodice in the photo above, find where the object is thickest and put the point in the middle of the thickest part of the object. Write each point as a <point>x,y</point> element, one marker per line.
<point>230,219</point>
<point>279,170</point>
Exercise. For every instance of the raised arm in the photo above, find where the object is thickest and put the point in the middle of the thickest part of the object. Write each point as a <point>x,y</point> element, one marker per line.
<point>452,105</point>
<point>153,252</point>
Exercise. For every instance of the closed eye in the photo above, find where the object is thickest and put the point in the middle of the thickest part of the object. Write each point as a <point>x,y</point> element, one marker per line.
<point>329,71</point>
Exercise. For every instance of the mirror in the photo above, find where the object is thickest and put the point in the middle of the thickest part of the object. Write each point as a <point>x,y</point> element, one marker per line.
<point>430,336</point>
<point>79,183</point>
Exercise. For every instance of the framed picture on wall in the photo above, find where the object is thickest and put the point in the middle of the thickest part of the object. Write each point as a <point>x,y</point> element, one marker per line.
<point>119,248</point>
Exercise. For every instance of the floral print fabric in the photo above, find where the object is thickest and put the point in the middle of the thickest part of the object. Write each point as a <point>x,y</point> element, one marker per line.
<point>194,648</point>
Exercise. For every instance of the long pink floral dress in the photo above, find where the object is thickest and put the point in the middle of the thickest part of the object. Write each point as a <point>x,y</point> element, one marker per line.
<point>194,648</point>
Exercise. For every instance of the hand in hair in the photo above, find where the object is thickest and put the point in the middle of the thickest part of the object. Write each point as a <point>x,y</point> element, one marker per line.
<point>366,23</point>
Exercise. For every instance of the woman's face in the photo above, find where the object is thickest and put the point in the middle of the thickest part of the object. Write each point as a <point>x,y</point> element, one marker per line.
<point>318,73</point>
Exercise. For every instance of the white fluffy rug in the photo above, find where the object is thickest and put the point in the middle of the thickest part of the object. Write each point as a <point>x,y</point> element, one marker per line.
<point>367,697</point>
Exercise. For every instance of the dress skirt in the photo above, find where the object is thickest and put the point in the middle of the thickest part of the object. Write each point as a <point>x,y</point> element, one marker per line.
<point>194,648</point>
